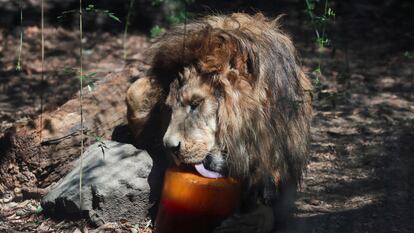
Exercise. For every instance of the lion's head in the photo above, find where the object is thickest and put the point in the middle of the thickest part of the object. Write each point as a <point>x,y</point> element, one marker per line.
<point>191,134</point>
<point>237,97</point>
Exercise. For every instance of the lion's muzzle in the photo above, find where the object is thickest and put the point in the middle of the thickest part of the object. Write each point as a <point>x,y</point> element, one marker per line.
<point>173,143</point>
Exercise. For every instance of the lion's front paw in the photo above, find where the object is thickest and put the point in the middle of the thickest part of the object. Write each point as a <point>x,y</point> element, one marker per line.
<point>260,220</point>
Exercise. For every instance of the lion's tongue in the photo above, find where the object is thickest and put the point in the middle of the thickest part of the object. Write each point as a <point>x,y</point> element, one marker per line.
<point>206,173</point>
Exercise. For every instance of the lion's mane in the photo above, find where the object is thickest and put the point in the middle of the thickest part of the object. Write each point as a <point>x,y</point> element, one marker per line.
<point>264,115</point>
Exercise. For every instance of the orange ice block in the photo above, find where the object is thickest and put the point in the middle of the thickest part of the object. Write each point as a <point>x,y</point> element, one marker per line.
<point>191,203</point>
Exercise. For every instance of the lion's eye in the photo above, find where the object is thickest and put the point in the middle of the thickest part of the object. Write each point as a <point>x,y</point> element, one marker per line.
<point>194,105</point>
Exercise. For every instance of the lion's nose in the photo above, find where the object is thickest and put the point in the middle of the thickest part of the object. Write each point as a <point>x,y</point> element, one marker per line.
<point>172,144</point>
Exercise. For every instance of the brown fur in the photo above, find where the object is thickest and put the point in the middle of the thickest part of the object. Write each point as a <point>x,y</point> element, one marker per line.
<point>248,66</point>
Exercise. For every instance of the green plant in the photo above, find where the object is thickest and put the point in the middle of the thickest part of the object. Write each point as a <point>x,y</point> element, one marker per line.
<point>319,23</point>
<point>101,144</point>
<point>85,78</point>
<point>156,31</point>
<point>91,9</point>
<point>176,13</point>
<point>39,210</point>
<point>408,54</point>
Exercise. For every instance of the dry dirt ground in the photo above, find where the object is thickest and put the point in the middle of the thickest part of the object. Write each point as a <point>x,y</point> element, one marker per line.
<point>360,176</point>
<point>20,92</point>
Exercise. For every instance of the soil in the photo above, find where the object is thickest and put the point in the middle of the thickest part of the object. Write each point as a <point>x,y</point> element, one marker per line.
<point>360,176</point>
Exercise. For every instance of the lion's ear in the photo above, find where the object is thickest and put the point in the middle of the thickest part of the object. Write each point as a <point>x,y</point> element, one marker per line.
<point>223,52</point>
<point>246,62</point>
<point>216,52</point>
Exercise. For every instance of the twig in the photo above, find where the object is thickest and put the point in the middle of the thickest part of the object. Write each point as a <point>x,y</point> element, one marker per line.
<point>131,5</point>
<point>19,63</point>
<point>81,100</point>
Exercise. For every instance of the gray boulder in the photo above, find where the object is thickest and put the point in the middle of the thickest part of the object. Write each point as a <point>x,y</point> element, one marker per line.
<point>114,186</point>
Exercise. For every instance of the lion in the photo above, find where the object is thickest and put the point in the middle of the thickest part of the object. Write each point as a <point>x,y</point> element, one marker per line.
<point>233,97</point>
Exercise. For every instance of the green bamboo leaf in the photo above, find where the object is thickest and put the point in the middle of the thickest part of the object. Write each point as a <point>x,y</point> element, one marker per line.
<point>408,54</point>
<point>331,12</point>
<point>18,66</point>
<point>111,15</point>
<point>90,75</point>
<point>173,19</point>
<point>39,210</point>
<point>91,86</point>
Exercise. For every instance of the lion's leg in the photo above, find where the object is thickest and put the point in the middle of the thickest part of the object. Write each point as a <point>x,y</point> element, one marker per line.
<point>257,211</point>
<point>267,206</point>
<point>280,196</point>
<point>284,205</point>
<point>258,220</point>
<point>142,97</point>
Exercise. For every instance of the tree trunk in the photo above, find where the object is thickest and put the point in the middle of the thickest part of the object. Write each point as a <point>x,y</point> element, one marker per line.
<point>29,160</point>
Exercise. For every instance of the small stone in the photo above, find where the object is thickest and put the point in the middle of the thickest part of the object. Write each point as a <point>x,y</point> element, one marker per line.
<point>7,197</point>
<point>31,207</point>
<point>12,205</point>
<point>21,212</point>
<point>11,167</point>
<point>29,227</point>
<point>17,190</point>
<point>44,227</point>
<point>314,202</point>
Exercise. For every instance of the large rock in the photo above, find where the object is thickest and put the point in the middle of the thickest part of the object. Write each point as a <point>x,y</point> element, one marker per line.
<point>114,186</point>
